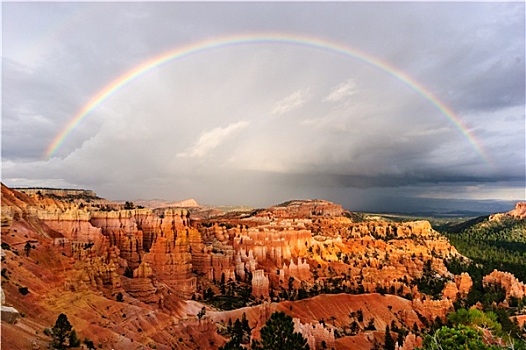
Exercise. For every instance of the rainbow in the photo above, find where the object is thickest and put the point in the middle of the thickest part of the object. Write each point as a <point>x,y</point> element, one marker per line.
<point>236,40</point>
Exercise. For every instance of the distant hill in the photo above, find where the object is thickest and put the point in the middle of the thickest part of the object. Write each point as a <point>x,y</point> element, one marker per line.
<point>435,207</point>
<point>160,203</point>
<point>495,241</point>
<point>58,192</point>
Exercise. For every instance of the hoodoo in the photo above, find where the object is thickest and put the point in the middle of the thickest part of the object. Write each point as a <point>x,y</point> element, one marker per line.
<point>175,277</point>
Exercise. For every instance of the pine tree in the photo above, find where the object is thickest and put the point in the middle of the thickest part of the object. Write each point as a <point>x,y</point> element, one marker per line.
<point>201,313</point>
<point>244,324</point>
<point>61,331</point>
<point>232,344</point>
<point>74,341</point>
<point>355,328</point>
<point>239,333</point>
<point>389,343</point>
<point>278,333</point>
<point>401,337</point>
<point>27,248</point>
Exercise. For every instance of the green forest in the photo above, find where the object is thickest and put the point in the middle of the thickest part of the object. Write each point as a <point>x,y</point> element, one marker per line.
<point>491,244</point>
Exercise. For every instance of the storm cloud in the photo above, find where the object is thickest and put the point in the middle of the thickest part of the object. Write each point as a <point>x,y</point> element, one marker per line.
<point>260,122</point>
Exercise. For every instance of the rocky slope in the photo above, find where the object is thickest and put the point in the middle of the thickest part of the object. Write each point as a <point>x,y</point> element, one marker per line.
<point>519,212</point>
<point>132,278</point>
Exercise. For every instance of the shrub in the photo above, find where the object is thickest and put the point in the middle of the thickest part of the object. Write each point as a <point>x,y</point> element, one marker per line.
<point>370,326</point>
<point>74,341</point>
<point>128,272</point>
<point>278,333</point>
<point>89,344</point>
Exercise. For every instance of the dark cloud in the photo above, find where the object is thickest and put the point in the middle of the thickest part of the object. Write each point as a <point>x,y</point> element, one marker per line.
<point>261,123</point>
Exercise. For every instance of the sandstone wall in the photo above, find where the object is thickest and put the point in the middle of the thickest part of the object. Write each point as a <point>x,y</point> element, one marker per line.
<point>513,287</point>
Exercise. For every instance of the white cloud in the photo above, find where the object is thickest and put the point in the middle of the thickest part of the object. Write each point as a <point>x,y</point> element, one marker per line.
<point>289,103</point>
<point>341,91</point>
<point>209,140</point>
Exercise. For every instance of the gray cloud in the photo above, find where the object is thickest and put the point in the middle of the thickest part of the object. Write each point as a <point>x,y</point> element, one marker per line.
<point>258,123</point>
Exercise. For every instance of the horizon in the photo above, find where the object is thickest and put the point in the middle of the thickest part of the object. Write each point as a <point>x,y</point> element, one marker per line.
<point>440,207</point>
<point>388,107</point>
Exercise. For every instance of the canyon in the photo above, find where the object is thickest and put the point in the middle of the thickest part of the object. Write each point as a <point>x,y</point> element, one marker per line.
<point>174,277</point>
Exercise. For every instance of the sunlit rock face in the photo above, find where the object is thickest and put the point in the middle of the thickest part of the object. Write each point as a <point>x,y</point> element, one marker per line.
<point>512,286</point>
<point>292,246</point>
<point>147,271</point>
<point>519,212</point>
<point>303,209</point>
<point>107,242</point>
<point>260,285</point>
<point>299,246</point>
<point>315,333</point>
<point>464,284</point>
<point>171,261</point>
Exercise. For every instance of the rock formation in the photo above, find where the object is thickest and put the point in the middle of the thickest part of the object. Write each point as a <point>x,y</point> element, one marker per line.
<point>260,285</point>
<point>464,284</point>
<point>316,334</point>
<point>458,288</point>
<point>450,291</point>
<point>431,309</point>
<point>170,255</point>
<point>519,212</point>
<point>58,192</point>
<point>141,285</point>
<point>303,209</point>
<point>514,288</point>
<point>126,276</point>
<point>9,314</point>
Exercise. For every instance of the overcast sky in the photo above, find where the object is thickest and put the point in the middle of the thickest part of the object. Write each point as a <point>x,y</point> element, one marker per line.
<point>260,123</point>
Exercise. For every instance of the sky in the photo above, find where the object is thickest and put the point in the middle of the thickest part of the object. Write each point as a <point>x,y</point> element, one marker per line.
<point>387,106</point>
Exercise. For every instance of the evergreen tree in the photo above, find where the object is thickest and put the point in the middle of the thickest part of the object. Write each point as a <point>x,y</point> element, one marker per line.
<point>458,338</point>
<point>370,325</point>
<point>27,248</point>
<point>239,334</point>
<point>201,313</point>
<point>244,324</point>
<point>61,331</point>
<point>232,344</point>
<point>389,343</point>
<point>74,341</point>
<point>355,328</point>
<point>278,333</point>
<point>237,331</point>
<point>89,344</point>
<point>359,314</point>
<point>401,337</point>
